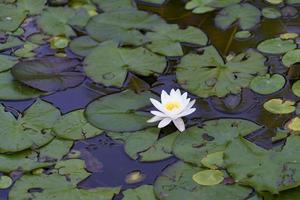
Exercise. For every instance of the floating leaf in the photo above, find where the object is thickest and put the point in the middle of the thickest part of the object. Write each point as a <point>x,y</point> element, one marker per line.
<point>26,51</point>
<point>31,131</point>
<point>213,160</point>
<point>55,150</point>
<point>11,17</point>
<point>271,13</point>
<point>294,124</point>
<point>267,84</point>
<point>279,106</point>
<point>123,26</point>
<point>120,112</point>
<point>275,1</point>
<point>286,36</point>
<point>207,75</point>
<point>5,182</point>
<point>203,6</point>
<point>109,5</point>
<point>208,177</point>
<point>296,88</point>
<point>261,169</point>
<point>48,73</point>
<point>176,183</point>
<point>59,42</point>
<point>291,57</point>
<point>74,126</point>
<point>166,40</point>
<point>33,7</point>
<point>246,15</point>
<point>276,46</point>
<point>10,89</point>
<point>197,143</point>
<point>144,192</point>
<point>243,34</point>
<point>10,43</point>
<point>7,62</point>
<point>135,177</point>
<point>141,61</point>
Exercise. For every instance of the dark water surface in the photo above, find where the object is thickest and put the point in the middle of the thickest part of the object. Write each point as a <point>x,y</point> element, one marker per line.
<point>113,164</point>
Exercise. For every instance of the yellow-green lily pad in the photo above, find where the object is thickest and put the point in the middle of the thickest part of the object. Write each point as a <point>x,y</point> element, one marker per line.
<point>5,182</point>
<point>294,124</point>
<point>280,106</point>
<point>209,177</point>
<point>296,88</point>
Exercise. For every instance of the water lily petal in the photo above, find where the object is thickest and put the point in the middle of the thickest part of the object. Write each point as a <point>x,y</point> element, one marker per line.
<point>187,112</point>
<point>164,122</point>
<point>157,113</point>
<point>190,104</point>
<point>157,105</point>
<point>164,97</point>
<point>179,124</point>
<point>154,119</point>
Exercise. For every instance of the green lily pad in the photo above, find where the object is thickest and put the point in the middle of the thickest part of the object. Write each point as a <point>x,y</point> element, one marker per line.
<point>7,62</point>
<point>55,150</point>
<point>203,6</point>
<point>32,7</point>
<point>293,1</point>
<point>100,68</point>
<point>59,20</point>
<point>120,112</point>
<point>294,124</point>
<point>207,75</point>
<point>286,36</point>
<point>243,35</point>
<point>276,46</point>
<point>279,106</point>
<point>166,40</point>
<point>246,15</point>
<point>144,192</point>
<point>74,126</point>
<point>213,160</point>
<point>59,42</point>
<point>83,45</point>
<point>209,177</point>
<point>49,73</point>
<point>267,84</point>
<point>123,26</point>
<point>261,169</point>
<point>61,185</point>
<point>291,57</point>
<point>10,89</point>
<point>26,51</point>
<point>109,5</point>
<point>32,130</point>
<point>296,88</point>
<point>146,144</point>
<point>10,43</point>
<point>11,17</point>
<point>213,137</point>
<point>5,182</point>
<point>271,13</point>
<point>176,183</point>
<point>274,1</point>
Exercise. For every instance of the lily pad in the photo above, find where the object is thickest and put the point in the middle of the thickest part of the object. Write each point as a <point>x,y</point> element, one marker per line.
<point>7,62</point>
<point>296,88</point>
<point>286,36</point>
<point>56,186</point>
<point>123,26</point>
<point>208,75</point>
<point>209,177</point>
<point>264,170</point>
<point>203,6</point>
<point>10,89</point>
<point>144,192</point>
<point>276,46</point>
<point>11,17</point>
<point>32,7</point>
<point>294,124</point>
<point>279,106</point>
<point>83,45</point>
<point>10,43</point>
<point>48,73</point>
<point>59,20</point>
<point>120,112</point>
<point>243,35</point>
<point>32,130</point>
<point>139,60</point>
<point>198,143</point>
<point>213,160</point>
<point>5,182</point>
<point>109,5</point>
<point>146,144</point>
<point>74,126</point>
<point>271,13</point>
<point>267,84</point>
<point>166,40</point>
<point>246,15</point>
<point>176,183</point>
<point>291,57</point>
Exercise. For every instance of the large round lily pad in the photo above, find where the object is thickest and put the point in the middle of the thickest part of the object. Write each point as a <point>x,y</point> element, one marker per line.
<point>208,75</point>
<point>120,112</point>
<point>49,73</point>
<point>176,183</point>
<point>276,46</point>
<point>100,68</point>
<point>196,143</point>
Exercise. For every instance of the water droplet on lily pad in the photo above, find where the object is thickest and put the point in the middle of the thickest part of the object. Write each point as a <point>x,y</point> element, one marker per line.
<point>135,177</point>
<point>280,106</point>
<point>209,177</point>
<point>5,182</point>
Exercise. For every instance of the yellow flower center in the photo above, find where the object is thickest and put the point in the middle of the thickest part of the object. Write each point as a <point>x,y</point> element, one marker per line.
<point>171,105</point>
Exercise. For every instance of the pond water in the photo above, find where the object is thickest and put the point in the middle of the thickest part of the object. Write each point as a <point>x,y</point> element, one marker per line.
<point>112,44</point>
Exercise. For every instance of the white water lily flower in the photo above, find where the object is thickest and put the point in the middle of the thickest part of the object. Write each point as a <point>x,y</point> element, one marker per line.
<point>172,108</point>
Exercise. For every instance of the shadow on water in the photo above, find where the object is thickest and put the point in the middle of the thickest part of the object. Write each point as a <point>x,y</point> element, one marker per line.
<point>113,163</point>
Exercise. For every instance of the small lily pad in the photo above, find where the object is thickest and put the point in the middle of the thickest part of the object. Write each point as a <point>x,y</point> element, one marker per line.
<point>59,42</point>
<point>242,35</point>
<point>144,192</point>
<point>267,84</point>
<point>213,160</point>
<point>271,13</point>
<point>274,1</point>
<point>291,57</point>
<point>276,46</point>
<point>296,88</point>
<point>5,182</point>
<point>279,106</point>
<point>294,124</point>
<point>209,177</point>
<point>203,6</point>
<point>286,36</point>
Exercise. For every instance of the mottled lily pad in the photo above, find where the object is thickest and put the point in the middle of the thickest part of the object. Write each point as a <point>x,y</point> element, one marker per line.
<point>276,46</point>
<point>267,84</point>
<point>279,106</point>
<point>208,75</point>
<point>120,112</point>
